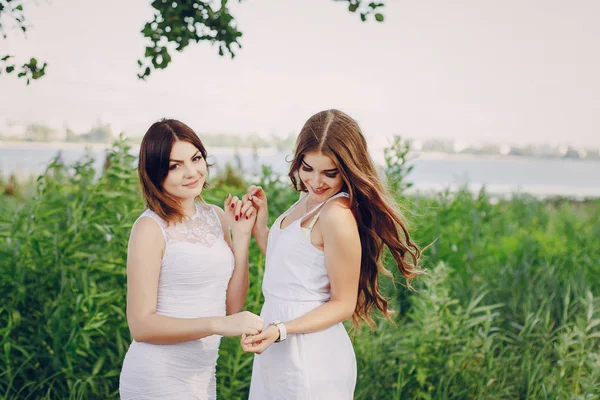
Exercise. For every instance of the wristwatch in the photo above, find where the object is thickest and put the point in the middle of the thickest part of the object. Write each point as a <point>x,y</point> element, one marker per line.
<point>282,330</point>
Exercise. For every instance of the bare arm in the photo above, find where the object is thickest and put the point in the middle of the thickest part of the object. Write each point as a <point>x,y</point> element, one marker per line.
<point>262,236</point>
<point>258,199</point>
<point>237,289</point>
<point>342,257</point>
<point>146,247</point>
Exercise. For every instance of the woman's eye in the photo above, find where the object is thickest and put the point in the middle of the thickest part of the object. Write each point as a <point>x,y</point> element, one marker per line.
<point>331,175</point>
<point>306,169</point>
<point>174,166</point>
<point>197,158</point>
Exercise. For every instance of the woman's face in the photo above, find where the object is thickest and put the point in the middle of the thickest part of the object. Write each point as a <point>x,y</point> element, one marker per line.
<point>187,171</point>
<point>320,175</point>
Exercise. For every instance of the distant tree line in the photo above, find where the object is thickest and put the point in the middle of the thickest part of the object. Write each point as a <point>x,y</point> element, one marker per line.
<point>100,133</point>
<point>103,133</point>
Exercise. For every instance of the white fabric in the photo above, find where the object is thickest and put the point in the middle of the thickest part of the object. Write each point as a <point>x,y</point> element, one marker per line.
<point>312,366</point>
<point>195,271</point>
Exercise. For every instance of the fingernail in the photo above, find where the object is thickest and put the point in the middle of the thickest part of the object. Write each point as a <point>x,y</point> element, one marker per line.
<point>228,195</point>
<point>236,217</point>
<point>246,217</point>
<point>233,205</point>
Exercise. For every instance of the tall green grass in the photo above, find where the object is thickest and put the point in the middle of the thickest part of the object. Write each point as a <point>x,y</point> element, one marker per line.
<point>509,309</point>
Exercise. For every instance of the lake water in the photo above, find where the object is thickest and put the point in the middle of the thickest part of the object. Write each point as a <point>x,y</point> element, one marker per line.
<point>500,175</point>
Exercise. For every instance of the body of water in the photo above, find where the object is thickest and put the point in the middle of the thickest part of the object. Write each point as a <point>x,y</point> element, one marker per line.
<point>500,175</point>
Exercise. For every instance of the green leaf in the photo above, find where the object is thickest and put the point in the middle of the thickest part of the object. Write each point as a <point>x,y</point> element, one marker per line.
<point>94,325</point>
<point>592,324</point>
<point>379,17</point>
<point>98,365</point>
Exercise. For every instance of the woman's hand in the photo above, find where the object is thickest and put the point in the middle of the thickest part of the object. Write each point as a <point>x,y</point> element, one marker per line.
<point>260,342</point>
<point>241,215</point>
<point>242,323</point>
<point>256,195</point>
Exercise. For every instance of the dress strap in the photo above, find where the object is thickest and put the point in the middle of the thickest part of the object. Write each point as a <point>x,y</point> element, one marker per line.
<point>322,205</point>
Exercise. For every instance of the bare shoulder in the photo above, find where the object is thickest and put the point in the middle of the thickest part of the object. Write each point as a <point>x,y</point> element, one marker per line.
<point>146,228</point>
<point>146,234</point>
<point>337,213</point>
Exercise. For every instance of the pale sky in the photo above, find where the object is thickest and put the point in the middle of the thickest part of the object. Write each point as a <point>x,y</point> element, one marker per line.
<point>509,71</point>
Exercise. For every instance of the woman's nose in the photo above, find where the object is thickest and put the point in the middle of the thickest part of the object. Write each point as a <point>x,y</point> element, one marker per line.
<point>189,170</point>
<point>316,178</point>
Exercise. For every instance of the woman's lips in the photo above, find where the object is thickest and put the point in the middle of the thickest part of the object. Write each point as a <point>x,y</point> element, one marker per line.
<point>319,191</point>
<point>193,184</point>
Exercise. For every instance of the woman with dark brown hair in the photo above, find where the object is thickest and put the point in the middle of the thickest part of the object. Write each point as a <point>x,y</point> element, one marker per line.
<point>323,258</point>
<point>184,273</point>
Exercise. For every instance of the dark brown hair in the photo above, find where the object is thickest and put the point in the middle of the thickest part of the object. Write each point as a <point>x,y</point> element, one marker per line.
<point>153,165</point>
<point>335,134</point>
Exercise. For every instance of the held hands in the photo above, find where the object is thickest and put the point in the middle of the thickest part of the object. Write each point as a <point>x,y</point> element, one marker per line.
<point>260,342</point>
<point>242,323</point>
<point>250,213</point>
<point>241,215</point>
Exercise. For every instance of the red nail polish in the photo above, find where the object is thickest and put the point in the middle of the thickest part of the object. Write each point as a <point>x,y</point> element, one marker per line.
<point>246,217</point>
<point>233,205</point>
<point>236,217</point>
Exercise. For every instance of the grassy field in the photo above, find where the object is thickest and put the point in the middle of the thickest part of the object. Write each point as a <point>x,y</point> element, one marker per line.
<point>510,308</point>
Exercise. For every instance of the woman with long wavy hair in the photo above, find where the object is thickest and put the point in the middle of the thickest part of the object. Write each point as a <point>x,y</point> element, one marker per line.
<point>323,259</point>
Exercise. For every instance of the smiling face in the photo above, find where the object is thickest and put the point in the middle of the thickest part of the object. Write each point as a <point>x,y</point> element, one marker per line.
<point>320,176</point>
<point>187,171</point>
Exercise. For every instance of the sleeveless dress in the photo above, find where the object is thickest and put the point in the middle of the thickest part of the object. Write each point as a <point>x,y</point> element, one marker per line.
<point>310,366</point>
<point>194,274</point>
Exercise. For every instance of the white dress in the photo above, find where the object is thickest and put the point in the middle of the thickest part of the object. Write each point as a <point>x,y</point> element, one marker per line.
<point>194,274</point>
<point>319,365</point>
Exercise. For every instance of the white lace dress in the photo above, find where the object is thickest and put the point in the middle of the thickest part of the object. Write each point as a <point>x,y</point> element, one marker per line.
<point>195,271</point>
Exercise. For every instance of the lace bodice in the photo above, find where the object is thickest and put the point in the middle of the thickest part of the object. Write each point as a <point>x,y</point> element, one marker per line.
<point>203,228</point>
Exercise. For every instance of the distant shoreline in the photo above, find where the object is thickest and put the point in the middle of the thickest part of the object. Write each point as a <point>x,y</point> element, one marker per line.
<point>264,151</point>
<point>261,151</point>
